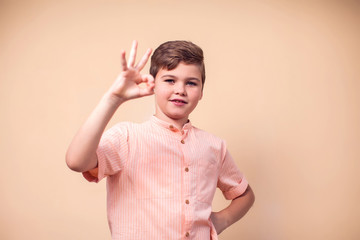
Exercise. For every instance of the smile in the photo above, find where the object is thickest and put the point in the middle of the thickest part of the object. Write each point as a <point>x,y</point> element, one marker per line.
<point>178,102</point>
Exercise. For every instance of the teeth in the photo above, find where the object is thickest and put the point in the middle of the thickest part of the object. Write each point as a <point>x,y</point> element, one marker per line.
<point>178,101</point>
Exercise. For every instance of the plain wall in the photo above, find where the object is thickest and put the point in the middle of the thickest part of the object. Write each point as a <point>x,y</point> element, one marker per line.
<point>282,88</point>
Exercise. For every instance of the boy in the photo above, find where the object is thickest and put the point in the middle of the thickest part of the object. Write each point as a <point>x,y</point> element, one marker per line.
<point>161,174</point>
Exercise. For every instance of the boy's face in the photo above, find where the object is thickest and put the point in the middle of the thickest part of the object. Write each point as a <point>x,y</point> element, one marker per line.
<point>177,92</point>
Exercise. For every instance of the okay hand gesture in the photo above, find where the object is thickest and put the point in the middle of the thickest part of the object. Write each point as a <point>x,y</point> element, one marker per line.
<point>127,85</point>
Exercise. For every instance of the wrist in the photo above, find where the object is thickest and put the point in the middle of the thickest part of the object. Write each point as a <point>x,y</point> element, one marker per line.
<point>220,221</point>
<point>225,219</point>
<point>112,100</point>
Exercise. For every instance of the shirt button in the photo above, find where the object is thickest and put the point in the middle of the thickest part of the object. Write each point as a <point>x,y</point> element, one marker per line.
<point>186,169</point>
<point>171,127</point>
<point>182,141</point>
<point>187,234</point>
<point>187,202</point>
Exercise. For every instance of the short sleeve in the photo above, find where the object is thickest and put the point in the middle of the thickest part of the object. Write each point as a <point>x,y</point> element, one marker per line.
<point>112,153</point>
<point>231,181</point>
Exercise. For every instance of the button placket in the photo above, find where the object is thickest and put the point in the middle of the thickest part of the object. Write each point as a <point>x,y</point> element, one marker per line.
<point>184,133</point>
<point>186,181</point>
<point>184,136</point>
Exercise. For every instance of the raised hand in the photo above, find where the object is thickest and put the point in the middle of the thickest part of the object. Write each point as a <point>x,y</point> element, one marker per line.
<point>81,155</point>
<point>131,83</point>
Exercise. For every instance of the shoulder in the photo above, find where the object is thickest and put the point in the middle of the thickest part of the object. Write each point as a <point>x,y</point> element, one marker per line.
<point>211,144</point>
<point>128,127</point>
<point>120,126</point>
<point>202,134</point>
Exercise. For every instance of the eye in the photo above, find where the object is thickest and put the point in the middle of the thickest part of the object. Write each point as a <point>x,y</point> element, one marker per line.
<point>169,80</point>
<point>191,83</point>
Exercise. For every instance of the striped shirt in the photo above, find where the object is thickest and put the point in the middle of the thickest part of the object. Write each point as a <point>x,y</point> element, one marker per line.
<point>161,180</point>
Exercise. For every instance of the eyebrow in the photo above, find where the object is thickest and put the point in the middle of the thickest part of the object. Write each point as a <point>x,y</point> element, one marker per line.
<point>172,76</point>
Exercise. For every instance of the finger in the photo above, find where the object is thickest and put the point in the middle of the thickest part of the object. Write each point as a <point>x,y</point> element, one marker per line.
<point>123,61</point>
<point>148,90</point>
<point>132,55</point>
<point>147,78</point>
<point>144,60</point>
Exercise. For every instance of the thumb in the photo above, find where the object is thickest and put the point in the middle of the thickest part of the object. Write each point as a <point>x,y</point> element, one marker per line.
<point>149,81</point>
<point>147,78</point>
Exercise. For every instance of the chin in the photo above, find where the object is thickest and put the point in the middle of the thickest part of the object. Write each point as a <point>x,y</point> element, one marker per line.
<point>175,116</point>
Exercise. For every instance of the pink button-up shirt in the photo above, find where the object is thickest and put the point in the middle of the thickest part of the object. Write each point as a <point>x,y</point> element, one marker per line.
<point>161,180</point>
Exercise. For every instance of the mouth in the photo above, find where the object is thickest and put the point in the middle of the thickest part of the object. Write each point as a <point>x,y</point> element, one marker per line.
<point>178,101</point>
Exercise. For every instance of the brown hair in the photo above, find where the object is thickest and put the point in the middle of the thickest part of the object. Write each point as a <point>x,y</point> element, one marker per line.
<point>169,54</point>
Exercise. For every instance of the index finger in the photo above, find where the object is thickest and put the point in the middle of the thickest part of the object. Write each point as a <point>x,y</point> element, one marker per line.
<point>144,60</point>
<point>123,61</point>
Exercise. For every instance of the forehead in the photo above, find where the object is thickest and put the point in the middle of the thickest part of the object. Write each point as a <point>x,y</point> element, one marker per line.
<point>181,71</point>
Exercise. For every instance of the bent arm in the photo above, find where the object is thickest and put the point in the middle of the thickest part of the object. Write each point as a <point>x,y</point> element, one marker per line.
<point>81,154</point>
<point>234,212</point>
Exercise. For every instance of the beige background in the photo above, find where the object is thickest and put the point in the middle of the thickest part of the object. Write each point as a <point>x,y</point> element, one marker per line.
<point>283,89</point>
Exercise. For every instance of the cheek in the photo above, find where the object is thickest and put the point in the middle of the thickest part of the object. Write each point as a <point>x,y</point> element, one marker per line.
<point>157,84</point>
<point>161,92</point>
<point>157,88</point>
<point>196,95</point>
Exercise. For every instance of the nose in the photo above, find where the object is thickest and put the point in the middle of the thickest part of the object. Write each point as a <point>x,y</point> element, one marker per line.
<point>179,89</point>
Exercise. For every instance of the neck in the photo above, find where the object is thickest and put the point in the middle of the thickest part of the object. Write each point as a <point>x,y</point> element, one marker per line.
<point>178,123</point>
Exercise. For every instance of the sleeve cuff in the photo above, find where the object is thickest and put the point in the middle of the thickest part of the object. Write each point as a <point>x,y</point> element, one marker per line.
<point>91,175</point>
<point>237,190</point>
<point>96,174</point>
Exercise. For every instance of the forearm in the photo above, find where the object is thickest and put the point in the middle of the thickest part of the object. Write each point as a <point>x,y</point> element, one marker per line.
<point>81,155</point>
<point>234,212</point>
<point>239,207</point>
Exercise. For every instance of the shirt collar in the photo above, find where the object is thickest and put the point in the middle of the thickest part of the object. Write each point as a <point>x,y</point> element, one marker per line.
<point>169,126</point>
